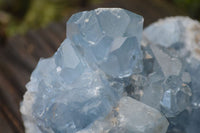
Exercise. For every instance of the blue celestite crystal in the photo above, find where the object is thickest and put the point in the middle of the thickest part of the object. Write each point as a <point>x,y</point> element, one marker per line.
<point>87,85</point>
<point>83,81</point>
<point>69,95</point>
<point>166,87</point>
<point>109,39</point>
<point>131,116</point>
<point>179,39</point>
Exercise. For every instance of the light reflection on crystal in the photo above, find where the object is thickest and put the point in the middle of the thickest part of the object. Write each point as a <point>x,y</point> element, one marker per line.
<point>80,88</point>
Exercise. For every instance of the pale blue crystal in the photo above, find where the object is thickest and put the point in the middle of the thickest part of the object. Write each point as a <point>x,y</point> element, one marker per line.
<point>166,88</point>
<point>108,39</point>
<point>68,61</point>
<point>131,116</point>
<point>179,37</point>
<point>69,95</point>
<point>83,81</point>
<point>176,97</point>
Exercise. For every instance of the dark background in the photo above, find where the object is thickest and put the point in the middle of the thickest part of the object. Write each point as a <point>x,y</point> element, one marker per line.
<point>18,16</point>
<point>30,29</point>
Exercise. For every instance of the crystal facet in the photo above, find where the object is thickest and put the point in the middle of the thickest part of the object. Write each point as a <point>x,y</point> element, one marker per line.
<point>108,39</point>
<point>131,116</point>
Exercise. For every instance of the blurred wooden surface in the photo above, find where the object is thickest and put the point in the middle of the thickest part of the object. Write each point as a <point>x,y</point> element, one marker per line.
<point>18,58</point>
<point>20,54</point>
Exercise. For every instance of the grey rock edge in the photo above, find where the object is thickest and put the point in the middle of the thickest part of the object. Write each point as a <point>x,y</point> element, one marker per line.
<point>83,87</point>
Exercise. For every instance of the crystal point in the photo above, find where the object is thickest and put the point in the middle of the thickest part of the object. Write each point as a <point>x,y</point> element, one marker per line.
<point>104,36</point>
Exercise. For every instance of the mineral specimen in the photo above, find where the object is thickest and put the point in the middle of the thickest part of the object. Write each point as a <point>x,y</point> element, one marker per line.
<point>87,85</point>
<point>77,86</point>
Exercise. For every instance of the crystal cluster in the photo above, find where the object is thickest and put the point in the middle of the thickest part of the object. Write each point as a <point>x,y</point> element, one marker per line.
<point>109,39</point>
<point>106,78</point>
<point>169,81</point>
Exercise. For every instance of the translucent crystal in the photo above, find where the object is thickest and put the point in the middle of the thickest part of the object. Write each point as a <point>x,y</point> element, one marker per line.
<point>186,46</point>
<point>145,118</point>
<point>68,62</point>
<point>68,95</point>
<point>130,116</point>
<point>176,97</point>
<point>82,81</point>
<point>169,65</point>
<point>109,39</point>
<point>167,84</point>
<point>87,85</point>
<point>153,91</point>
<point>179,38</point>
